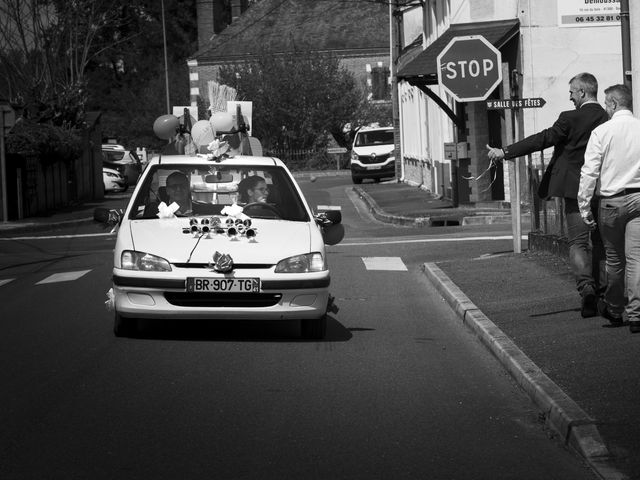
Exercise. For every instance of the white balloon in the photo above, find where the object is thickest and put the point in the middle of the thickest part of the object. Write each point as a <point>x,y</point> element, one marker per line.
<point>222,122</point>
<point>202,133</point>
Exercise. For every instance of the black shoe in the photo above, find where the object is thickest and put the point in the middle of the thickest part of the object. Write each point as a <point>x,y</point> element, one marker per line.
<point>634,327</point>
<point>589,303</point>
<point>603,309</point>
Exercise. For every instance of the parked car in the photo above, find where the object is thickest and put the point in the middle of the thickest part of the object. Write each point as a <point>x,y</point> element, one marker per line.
<point>222,258</point>
<point>114,181</point>
<point>126,162</point>
<point>372,154</point>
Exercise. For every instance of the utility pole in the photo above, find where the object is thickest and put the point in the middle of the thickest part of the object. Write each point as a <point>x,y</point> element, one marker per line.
<point>395,18</point>
<point>166,63</point>
<point>634,37</point>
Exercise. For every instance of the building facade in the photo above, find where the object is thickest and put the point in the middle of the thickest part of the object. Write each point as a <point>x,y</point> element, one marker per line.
<point>543,43</point>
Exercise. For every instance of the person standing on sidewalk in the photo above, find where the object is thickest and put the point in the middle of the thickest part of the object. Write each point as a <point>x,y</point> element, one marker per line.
<point>569,136</point>
<point>612,167</point>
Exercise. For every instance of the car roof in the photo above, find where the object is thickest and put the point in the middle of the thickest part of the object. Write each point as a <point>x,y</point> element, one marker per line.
<point>242,160</point>
<point>369,129</point>
<point>112,146</point>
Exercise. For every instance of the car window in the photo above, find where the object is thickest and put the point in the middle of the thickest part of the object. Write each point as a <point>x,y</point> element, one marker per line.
<point>112,155</point>
<point>211,188</point>
<point>374,137</point>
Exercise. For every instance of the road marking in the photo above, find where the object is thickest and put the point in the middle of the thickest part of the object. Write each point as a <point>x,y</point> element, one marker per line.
<point>63,277</point>
<point>6,280</point>
<point>347,243</point>
<point>384,263</point>
<point>49,237</point>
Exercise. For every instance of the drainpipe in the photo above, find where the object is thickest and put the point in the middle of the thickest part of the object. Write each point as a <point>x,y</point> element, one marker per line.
<point>626,42</point>
<point>634,23</point>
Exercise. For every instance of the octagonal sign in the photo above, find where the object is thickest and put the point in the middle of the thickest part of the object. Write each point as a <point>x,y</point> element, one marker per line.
<point>469,68</point>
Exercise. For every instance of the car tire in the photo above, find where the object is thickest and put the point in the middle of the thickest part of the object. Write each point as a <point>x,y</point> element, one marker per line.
<point>314,328</point>
<point>357,181</point>
<point>123,327</point>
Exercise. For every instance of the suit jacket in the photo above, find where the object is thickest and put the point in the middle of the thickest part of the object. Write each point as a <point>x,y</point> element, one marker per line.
<point>569,136</point>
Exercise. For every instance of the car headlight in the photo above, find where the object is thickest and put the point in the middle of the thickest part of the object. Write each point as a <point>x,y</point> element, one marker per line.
<point>132,260</point>
<point>109,174</point>
<point>309,262</point>
<point>354,156</point>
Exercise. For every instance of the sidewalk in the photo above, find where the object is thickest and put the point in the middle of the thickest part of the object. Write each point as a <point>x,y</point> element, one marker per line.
<point>581,373</point>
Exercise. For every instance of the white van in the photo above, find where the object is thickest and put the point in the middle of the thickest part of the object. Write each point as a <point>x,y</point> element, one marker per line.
<point>372,154</point>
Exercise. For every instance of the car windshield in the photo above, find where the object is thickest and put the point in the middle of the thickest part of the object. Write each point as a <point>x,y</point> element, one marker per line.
<point>374,137</point>
<point>207,190</point>
<point>112,155</point>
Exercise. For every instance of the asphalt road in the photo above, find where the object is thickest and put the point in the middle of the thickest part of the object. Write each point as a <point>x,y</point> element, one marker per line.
<point>398,389</point>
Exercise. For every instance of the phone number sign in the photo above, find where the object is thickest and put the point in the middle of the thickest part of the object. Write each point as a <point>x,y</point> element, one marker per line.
<point>586,13</point>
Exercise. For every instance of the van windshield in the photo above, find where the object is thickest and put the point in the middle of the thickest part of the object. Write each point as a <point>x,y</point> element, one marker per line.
<point>374,137</point>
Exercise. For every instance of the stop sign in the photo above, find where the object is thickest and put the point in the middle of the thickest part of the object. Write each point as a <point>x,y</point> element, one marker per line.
<point>469,68</point>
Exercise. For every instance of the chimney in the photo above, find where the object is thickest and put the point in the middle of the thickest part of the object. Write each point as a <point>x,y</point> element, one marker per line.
<point>237,8</point>
<point>212,19</point>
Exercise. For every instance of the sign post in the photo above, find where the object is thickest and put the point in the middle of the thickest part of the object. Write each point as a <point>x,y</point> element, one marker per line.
<point>337,151</point>
<point>469,68</point>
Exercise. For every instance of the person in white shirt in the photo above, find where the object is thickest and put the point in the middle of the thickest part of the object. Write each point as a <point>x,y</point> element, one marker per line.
<point>612,170</point>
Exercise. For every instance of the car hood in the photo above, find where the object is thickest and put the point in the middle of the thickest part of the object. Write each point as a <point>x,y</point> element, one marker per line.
<point>377,149</point>
<point>275,240</point>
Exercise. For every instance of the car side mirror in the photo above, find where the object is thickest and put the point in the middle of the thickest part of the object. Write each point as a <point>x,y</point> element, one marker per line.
<point>110,217</point>
<point>330,220</point>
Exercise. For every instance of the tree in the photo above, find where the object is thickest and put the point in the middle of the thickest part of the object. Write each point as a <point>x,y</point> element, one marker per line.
<point>59,58</point>
<point>298,97</point>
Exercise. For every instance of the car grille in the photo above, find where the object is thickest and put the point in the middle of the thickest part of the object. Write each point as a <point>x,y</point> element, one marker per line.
<point>375,159</point>
<point>250,300</point>
<point>236,266</point>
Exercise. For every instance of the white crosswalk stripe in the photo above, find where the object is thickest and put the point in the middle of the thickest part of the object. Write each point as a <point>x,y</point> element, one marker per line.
<point>63,277</point>
<point>384,263</point>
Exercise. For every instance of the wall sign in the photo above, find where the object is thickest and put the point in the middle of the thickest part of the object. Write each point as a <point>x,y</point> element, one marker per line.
<point>588,13</point>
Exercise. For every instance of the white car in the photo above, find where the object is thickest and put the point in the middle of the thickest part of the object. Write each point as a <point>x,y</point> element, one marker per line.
<point>113,180</point>
<point>222,259</point>
<point>124,161</point>
<point>372,154</point>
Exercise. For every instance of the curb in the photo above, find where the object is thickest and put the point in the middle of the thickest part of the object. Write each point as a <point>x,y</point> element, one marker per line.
<point>562,414</point>
<point>385,217</point>
<point>43,227</point>
<point>378,213</point>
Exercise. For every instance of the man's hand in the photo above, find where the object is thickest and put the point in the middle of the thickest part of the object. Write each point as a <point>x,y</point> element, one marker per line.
<point>590,222</point>
<point>495,153</point>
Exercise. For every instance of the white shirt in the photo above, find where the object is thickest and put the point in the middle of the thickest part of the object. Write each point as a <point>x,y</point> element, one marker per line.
<point>613,157</point>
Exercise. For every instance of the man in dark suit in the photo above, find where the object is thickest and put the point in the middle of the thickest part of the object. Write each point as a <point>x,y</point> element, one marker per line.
<point>569,136</point>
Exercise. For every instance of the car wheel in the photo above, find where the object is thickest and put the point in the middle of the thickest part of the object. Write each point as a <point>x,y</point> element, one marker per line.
<point>123,327</point>
<point>357,181</point>
<point>314,328</point>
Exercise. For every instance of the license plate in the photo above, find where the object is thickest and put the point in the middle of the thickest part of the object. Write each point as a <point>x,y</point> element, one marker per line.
<point>235,285</point>
<point>374,167</point>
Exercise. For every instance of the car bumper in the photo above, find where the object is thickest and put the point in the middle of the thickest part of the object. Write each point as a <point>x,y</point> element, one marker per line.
<point>166,297</point>
<point>373,171</point>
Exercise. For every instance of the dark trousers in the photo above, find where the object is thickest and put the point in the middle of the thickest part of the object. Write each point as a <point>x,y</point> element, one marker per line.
<point>586,250</point>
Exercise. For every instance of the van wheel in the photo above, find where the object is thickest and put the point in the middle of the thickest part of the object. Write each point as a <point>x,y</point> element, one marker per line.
<point>357,181</point>
<point>314,328</point>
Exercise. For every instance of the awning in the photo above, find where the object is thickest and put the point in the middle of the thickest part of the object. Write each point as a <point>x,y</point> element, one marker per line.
<point>425,68</point>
